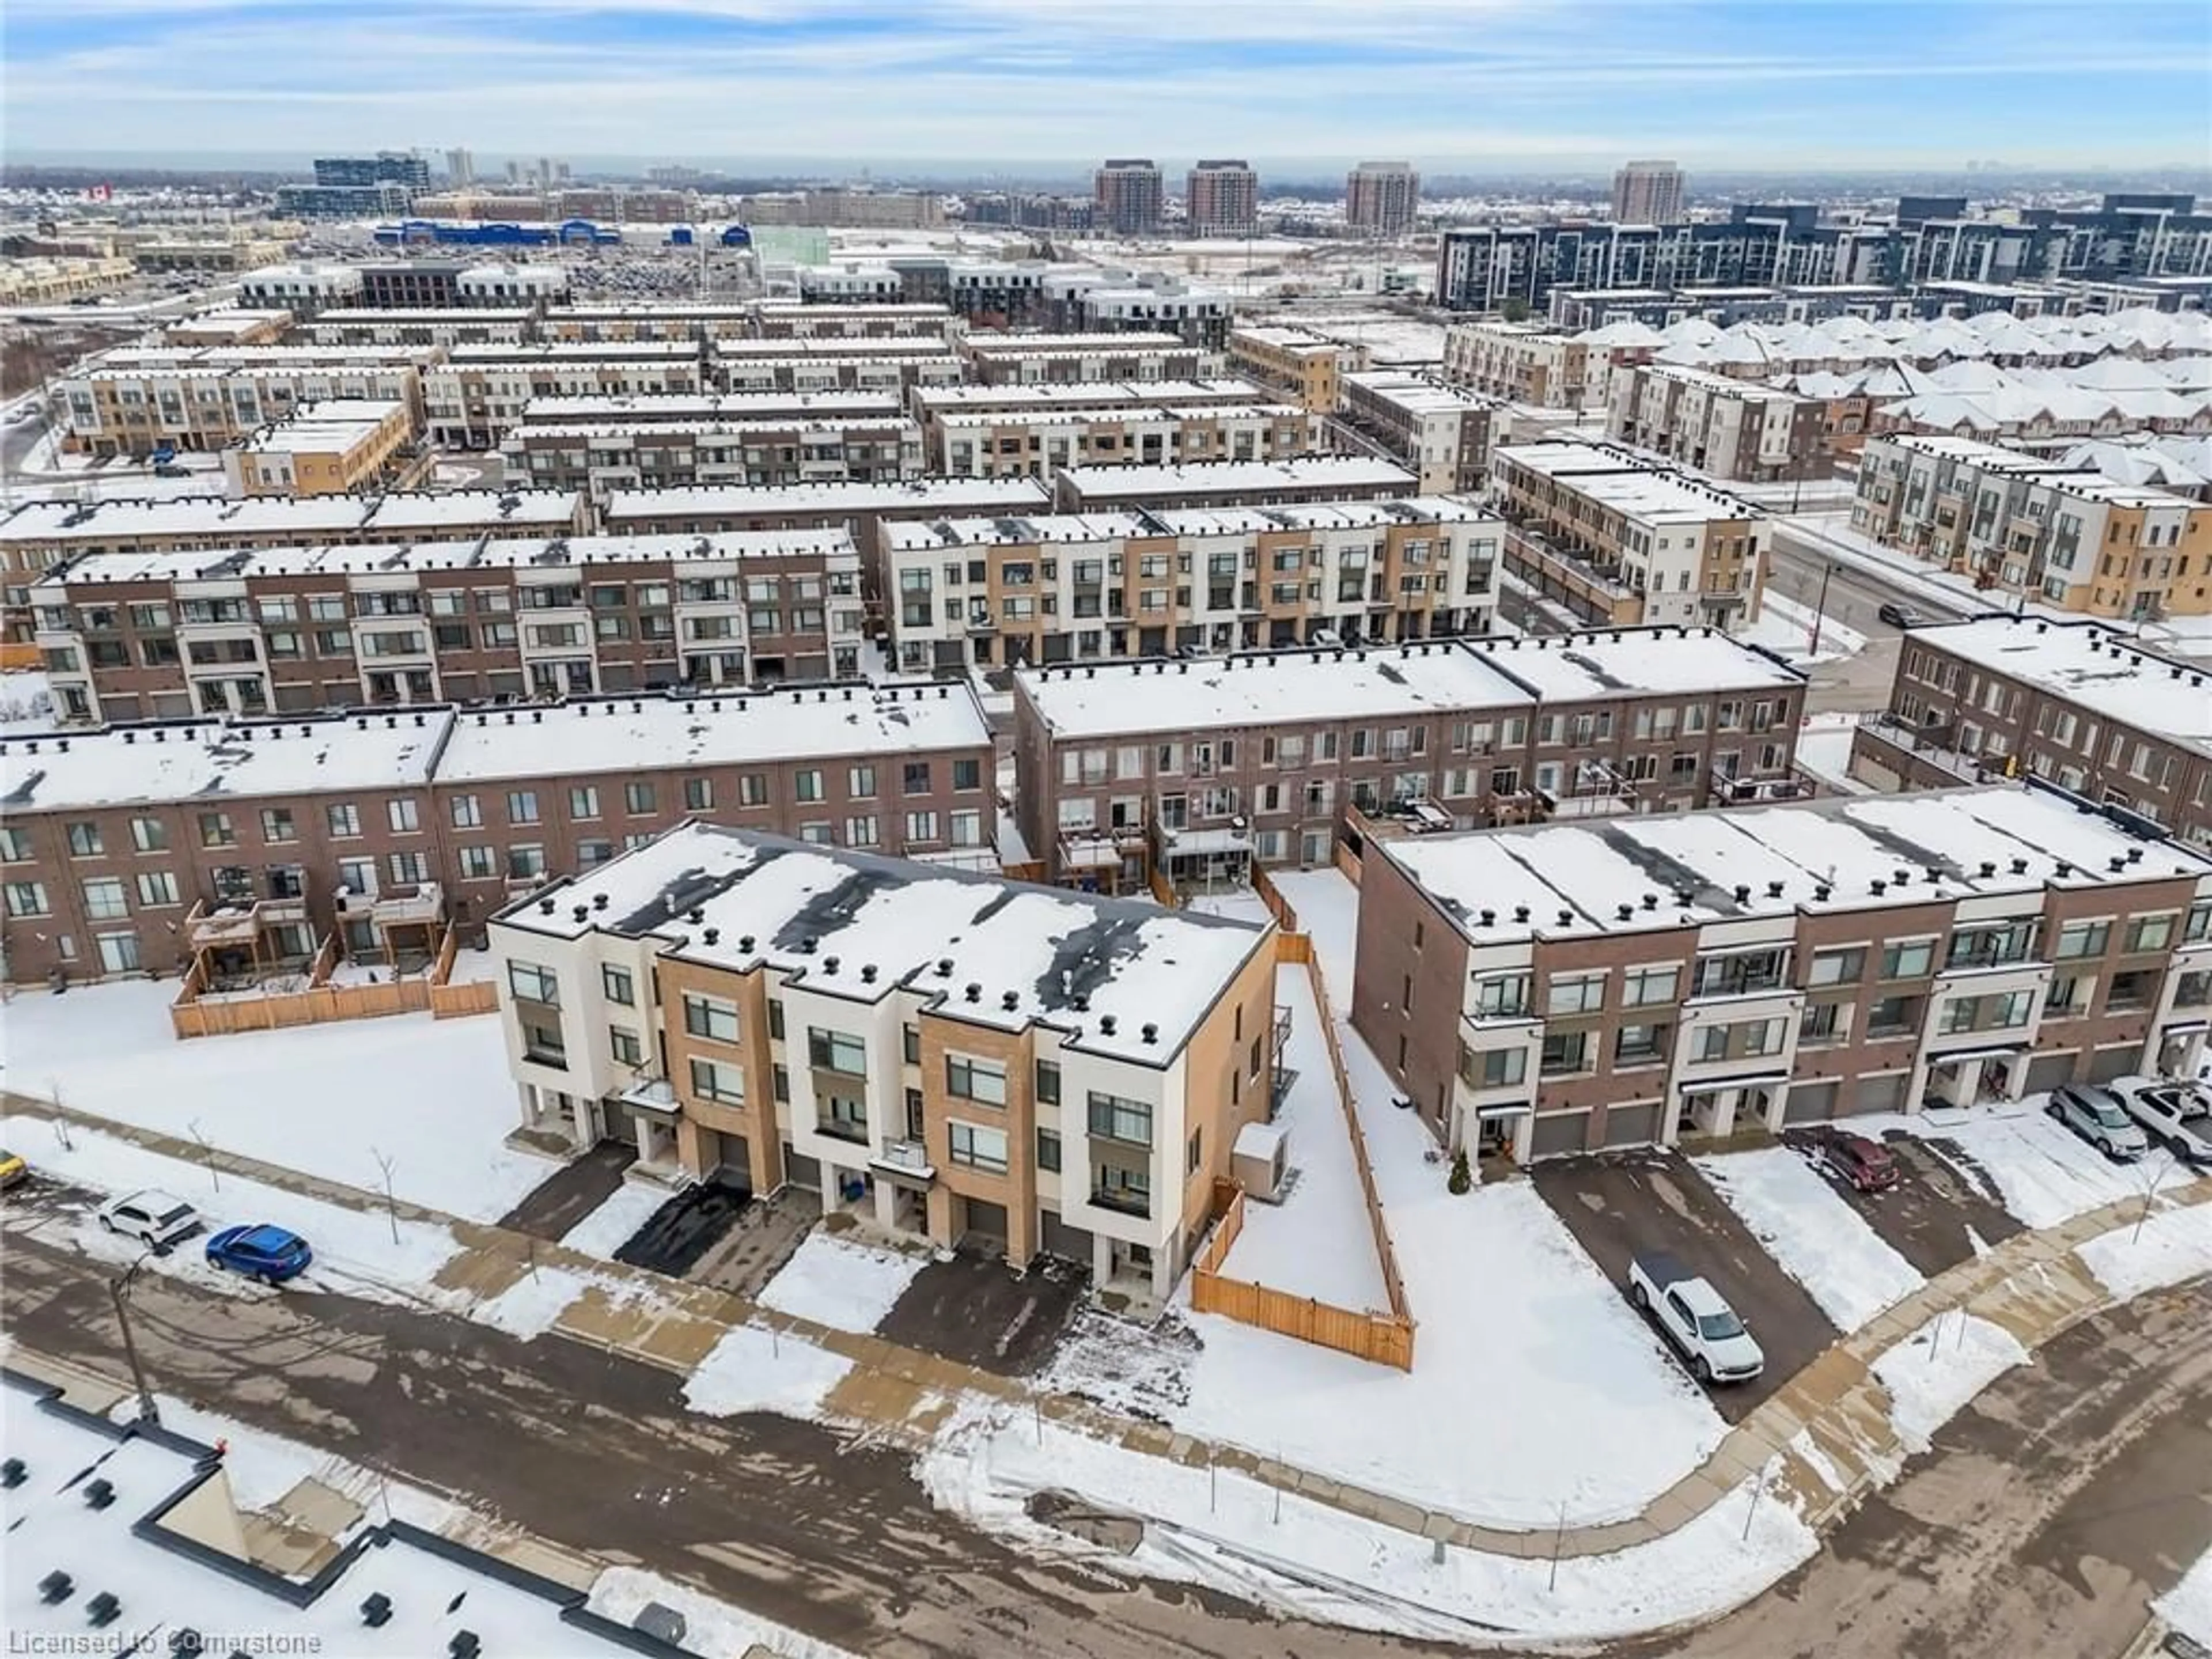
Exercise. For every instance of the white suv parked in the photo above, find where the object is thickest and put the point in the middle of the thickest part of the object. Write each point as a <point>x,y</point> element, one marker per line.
<point>152,1218</point>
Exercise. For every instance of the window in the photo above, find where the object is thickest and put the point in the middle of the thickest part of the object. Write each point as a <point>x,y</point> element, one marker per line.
<point>710,1017</point>
<point>119,952</point>
<point>84,841</point>
<point>1576,994</point>
<point>967,775</point>
<point>543,1045</point>
<point>638,799</point>
<point>522,806</point>
<point>276,825</point>
<point>2190,990</point>
<point>616,985</point>
<point>2198,926</point>
<point>2005,1012</point>
<point>104,901</point>
<point>345,819</point>
<point>13,844</point>
<point>525,863</point>
<point>158,887</point>
<point>842,1118</point>
<point>1891,1016</point>
<point>1993,944</point>
<point>584,802</point>
<point>532,983</point>
<point>2130,990</point>
<point>914,778</point>
<point>2077,939</point>
<point>465,811</point>
<point>27,898</point>
<point>1116,1118</point>
<point>1502,996</point>
<point>752,789</point>
<point>1494,1068</point>
<point>215,830</point>
<point>149,834</point>
<point>1120,1188</point>
<point>1647,987</point>
<point>806,784</point>
<point>976,1079</point>
<point>410,867</point>
<point>623,1044</point>
<point>1048,1085</point>
<point>1740,973</point>
<point>2149,933</point>
<point>698,794</point>
<point>1638,1044</point>
<point>1564,1052</point>
<point>1837,967</point>
<point>921,826</point>
<point>478,863</point>
<point>860,782</point>
<point>837,1051</point>
<point>1821,1022</point>
<point>1915,959</point>
<point>1047,1150</point>
<point>718,1081</point>
<point>401,817</point>
<point>1195,1154</point>
<point>977,1146</point>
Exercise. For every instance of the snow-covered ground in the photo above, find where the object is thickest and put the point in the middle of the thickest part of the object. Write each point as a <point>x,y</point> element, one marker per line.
<point>2042,1172</point>
<point>608,1227</point>
<point>2187,1605</point>
<point>755,1370</point>
<point>1328,906</point>
<point>1785,626</point>
<point>2170,1246</point>
<point>433,1094</point>
<point>1240,903</point>
<point>711,1627</point>
<point>27,703</point>
<point>1940,1367</point>
<point>1816,1237</point>
<point>841,1282</point>
<point>1824,749</point>
<point>1317,1243</point>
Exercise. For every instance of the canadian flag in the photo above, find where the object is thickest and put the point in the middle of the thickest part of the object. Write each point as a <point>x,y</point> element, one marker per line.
<point>100,194</point>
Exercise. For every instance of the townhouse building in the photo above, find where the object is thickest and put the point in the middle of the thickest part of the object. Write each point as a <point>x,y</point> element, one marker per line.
<point>711,408</point>
<point>814,320</point>
<point>835,365</point>
<point>1620,540</point>
<point>1304,478</point>
<point>1439,433</point>
<point>457,325</point>
<point>1307,367</point>
<point>137,635</point>
<point>137,847</point>
<point>137,400</point>
<point>997,359</point>
<point>477,396</point>
<point>1200,769</point>
<point>1086,299</point>
<point>1545,990</point>
<point>1038,441</point>
<point>2075,704</point>
<point>656,320</point>
<point>960,1057</point>
<point>39,535</point>
<point>339,449</point>
<point>858,508</point>
<point>1070,588</point>
<point>1737,429</point>
<point>1520,362</point>
<point>934,405</point>
<point>2025,525</point>
<point>304,289</point>
<point>598,457</point>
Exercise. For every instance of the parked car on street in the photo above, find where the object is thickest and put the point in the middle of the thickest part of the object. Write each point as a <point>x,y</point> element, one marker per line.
<point>1898,616</point>
<point>2093,1112</point>
<point>13,1172</point>
<point>2166,1112</point>
<point>152,1218</point>
<point>1864,1164</point>
<point>271,1254</point>
<point>1695,1317</point>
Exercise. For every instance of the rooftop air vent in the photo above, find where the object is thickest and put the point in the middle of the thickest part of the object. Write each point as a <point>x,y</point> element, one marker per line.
<point>867,972</point>
<point>1106,1025</point>
<point>695,917</point>
<point>1774,889</point>
<point>745,942</point>
<point>1743,894</point>
<point>1627,912</point>
<point>1821,891</point>
<point>1651,901</point>
<point>599,901</point>
<point>1566,918</point>
<point>546,906</point>
<point>1152,1032</point>
<point>55,1587</point>
<point>1489,918</point>
<point>1880,886</point>
<point>974,992</point>
<point>1010,1000</point>
<point>102,1609</point>
<point>582,913</point>
<point>12,1473</point>
<point>829,964</point>
<point>713,935</point>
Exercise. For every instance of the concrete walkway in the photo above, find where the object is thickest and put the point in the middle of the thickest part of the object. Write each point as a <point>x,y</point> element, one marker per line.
<point>2033,1285</point>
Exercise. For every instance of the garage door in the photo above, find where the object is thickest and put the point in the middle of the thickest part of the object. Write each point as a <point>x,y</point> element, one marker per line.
<point>801,1170</point>
<point>2105,1064</point>
<point>1071,1243</point>
<point>1879,1094</point>
<point>1809,1103</point>
<point>1634,1125</point>
<point>2047,1072</point>
<point>988,1220</point>
<point>1561,1132</point>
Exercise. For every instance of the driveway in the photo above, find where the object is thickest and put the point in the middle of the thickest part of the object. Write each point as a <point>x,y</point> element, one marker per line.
<point>1616,1204</point>
<point>1933,1216</point>
<point>975,1309</point>
<point>572,1192</point>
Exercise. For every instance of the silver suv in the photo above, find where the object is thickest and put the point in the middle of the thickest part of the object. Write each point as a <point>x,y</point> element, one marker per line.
<point>2094,1112</point>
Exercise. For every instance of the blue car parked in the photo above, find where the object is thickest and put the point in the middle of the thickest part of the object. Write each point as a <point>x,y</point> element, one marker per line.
<point>268,1254</point>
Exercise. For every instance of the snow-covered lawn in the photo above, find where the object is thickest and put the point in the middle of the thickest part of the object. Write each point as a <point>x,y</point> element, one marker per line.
<point>2043,1173</point>
<point>2171,1245</point>
<point>1940,1367</point>
<point>26,704</point>
<point>1316,1243</point>
<point>608,1227</point>
<point>1328,906</point>
<point>711,1627</point>
<point>1240,904</point>
<point>2187,1605</point>
<point>755,1370</point>
<point>842,1283</point>
<point>1303,1558</point>
<point>1785,626</point>
<point>433,1094</point>
<point>1815,1236</point>
<point>1824,749</point>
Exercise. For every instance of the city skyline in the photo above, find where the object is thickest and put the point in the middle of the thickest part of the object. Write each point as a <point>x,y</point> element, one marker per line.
<point>1495,83</point>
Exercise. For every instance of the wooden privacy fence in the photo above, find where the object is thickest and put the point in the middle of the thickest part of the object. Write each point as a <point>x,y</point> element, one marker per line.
<point>192,1016</point>
<point>1385,1338</point>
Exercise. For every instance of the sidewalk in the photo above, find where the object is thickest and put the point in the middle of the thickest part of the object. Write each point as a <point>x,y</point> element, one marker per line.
<point>1827,1437</point>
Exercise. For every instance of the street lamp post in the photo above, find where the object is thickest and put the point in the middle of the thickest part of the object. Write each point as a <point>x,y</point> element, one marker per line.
<point>1820,608</point>
<point>120,1290</point>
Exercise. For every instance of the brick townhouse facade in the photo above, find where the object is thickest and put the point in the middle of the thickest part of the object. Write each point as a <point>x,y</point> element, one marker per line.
<point>603,457</point>
<point>117,845</point>
<point>962,1057</point>
<point>1200,769</point>
<point>1565,988</point>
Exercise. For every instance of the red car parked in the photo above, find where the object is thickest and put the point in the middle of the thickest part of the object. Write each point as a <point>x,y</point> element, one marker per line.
<point>1868,1165</point>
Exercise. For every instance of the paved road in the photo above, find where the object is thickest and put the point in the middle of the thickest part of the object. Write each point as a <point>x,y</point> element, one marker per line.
<point>2056,1506</point>
<point>1853,684</point>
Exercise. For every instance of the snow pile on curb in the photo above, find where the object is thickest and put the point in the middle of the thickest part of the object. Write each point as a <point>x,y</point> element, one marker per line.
<point>754,1370</point>
<point>610,1226</point>
<point>2174,1245</point>
<point>837,1282</point>
<point>2187,1605</point>
<point>1934,1371</point>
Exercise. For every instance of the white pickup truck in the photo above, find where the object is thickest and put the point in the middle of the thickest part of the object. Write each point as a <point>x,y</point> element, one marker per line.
<point>1695,1318</point>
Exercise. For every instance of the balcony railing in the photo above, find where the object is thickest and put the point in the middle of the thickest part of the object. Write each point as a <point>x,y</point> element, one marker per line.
<point>1123,1200</point>
<point>838,1129</point>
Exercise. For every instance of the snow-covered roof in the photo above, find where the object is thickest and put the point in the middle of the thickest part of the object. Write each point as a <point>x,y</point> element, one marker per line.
<point>1240,478</point>
<point>838,497</point>
<point>304,518</point>
<point>498,355</point>
<point>1635,488</point>
<point>857,925</point>
<point>889,347</point>
<point>1416,393</point>
<point>1086,345</point>
<point>151,1553</point>
<point>1318,516</point>
<point>1120,414</point>
<point>211,761</point>
<point>665,432</point>
<point>336,424</point>
<point>1075,394</point>
<point>1616,662</point>
<point>1571,879</point>
<point>646,409</point>
<point>605,734</point>
<point>2098,668</point>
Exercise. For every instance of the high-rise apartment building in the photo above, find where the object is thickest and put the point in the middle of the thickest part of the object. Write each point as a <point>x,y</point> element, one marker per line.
<point>1128,194</point>
<point>1383,198</point>
<point>1647,193</point>
<point>385,167</point>
<point>460,168</point>
<point>1222,198</point>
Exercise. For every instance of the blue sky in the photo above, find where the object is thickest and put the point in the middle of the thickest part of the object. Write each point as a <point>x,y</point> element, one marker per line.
<point>1482,84</point>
